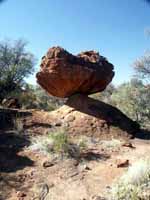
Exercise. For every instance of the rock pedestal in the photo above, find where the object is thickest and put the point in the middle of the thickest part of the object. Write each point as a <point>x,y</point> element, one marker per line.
<point>65,75</point>
<point>83,115</point>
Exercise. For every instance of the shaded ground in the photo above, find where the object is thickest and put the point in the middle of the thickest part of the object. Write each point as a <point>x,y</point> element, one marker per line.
<point>10,146</point>
<point>23,177</point>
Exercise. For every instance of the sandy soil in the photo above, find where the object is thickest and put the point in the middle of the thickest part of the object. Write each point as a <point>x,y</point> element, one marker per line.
<point>23,176</point>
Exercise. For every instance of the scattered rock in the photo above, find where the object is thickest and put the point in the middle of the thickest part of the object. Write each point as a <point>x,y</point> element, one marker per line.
<point>76,163</point>
<point>21,194</point>
<point>11,103</point>
<point>57,123</point>
<point>122,163</point>
<point>83,168</point>
<point>22,177</point>
<point>128,144</point>
<point>98,198</point>
<point>63,74</point>
<point>47,164</point>
<point>73,174</point>
<point>88,168</point>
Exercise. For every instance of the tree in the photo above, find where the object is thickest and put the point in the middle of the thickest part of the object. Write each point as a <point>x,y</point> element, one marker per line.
<point>133,99</point>
<point>142,67</point>
<point>15,64</point>
<point>106,94</point>
<point>46,101</point>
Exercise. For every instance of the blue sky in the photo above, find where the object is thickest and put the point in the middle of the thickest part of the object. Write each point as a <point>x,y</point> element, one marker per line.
<point>115,28</point>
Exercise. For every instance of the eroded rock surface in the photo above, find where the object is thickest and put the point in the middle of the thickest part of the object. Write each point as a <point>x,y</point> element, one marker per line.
<point>83,115</point>
<point>63,74</point>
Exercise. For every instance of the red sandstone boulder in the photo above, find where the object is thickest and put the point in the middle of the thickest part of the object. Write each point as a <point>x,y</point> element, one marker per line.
<point>63,74</point>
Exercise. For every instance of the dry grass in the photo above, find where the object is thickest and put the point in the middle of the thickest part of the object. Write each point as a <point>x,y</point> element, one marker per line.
<point>135,183</point>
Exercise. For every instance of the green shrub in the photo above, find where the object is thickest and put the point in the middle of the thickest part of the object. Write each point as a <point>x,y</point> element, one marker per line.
<point>60,142</point>
<point>53,143</point>
<point>82,145</point>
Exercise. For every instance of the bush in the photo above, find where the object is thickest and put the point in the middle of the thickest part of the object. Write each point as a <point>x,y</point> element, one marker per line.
<point>58,143</point>
<point>134,183</point>
<point>54,143</point>
<point>132,98</point>
<point>42,144</point>
<point>34,97</point>
<point>16,63</point>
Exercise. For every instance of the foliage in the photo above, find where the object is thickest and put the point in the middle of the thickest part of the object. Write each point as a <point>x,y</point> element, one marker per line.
<point>134,183</point>
<point>142,66</point>
<point>106,94</point>
<point>46,101</point>
<point>111,144</point>
<point>42,144</point>
<point>133,99</point>
<point>54,143</point>
<point>34,97</point>
<point>60,142</point>
<point>16,63</point>
<point>82,144</point>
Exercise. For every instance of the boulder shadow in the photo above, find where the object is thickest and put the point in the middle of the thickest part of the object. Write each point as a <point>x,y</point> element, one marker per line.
<point>103,111</point>
<point>143,134</point>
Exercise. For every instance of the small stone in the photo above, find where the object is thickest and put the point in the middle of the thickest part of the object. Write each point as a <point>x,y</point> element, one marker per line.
<point>122,163</point>
<point>47,164</point>
<point>84,167</point>
<point>51,185</point>
<point>98,198</point>
<point>58,124</point>
<point>21,194</point>
<point>87,168</point>
<point>76,163</point>
<point>128,144</point>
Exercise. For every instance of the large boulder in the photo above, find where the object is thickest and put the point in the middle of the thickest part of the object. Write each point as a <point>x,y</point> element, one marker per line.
<point>63,74</point>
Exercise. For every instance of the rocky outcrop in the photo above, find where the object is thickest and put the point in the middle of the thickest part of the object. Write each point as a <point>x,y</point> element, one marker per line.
<point>63,74</point>
<point>83,115</point>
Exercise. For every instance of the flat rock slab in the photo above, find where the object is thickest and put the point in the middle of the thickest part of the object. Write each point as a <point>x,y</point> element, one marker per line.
<point>63,74</point>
